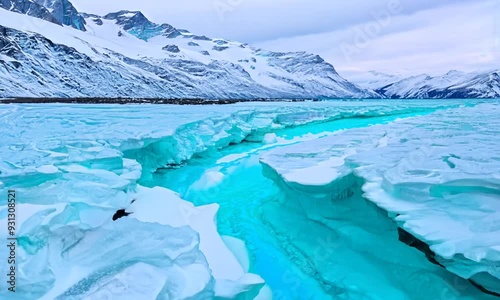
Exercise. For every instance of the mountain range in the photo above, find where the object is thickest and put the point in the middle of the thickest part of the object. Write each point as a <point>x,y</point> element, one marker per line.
<point>50,49</point>
<point>454,84</point>
<point>123,54</point>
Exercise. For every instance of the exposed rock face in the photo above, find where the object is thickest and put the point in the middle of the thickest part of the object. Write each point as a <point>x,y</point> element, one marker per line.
<point>64,12</point>
<point>171,48</point>
<point>29,8</point>
<point>137,24</point>
<point>60,12</point>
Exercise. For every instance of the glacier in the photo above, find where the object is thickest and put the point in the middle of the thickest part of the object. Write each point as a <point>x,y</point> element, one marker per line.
<point>253,200</point>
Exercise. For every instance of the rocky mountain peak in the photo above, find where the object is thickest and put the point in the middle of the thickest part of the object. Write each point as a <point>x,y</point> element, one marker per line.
<point>64,12</point>
<point>135,23</point>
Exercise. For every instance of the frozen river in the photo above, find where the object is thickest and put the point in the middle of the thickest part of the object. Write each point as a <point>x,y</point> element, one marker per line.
<point>310,200</point>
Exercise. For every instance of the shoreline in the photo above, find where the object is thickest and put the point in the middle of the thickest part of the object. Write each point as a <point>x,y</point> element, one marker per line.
<point>178,101</point>
<point>199,101</point>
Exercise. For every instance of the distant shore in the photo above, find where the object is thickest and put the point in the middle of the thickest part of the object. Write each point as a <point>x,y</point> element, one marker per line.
<point>140,101</point>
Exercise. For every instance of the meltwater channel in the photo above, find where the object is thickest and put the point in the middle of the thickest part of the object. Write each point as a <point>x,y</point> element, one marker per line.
<point>358,257</point>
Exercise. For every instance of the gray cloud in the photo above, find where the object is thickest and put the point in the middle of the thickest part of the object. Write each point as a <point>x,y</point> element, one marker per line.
<point>463,36</point>
<point>423,36</point>
<point>259,20</point>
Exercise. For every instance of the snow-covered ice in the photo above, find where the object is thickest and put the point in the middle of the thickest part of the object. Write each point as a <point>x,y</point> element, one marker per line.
<point>74,166</point>
<point>438,176</point>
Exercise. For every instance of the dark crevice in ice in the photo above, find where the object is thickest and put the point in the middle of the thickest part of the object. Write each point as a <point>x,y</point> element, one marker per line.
<point>342,189</point>
<point>410,240</point>
<point>120,214</point>
<point>423,247</point>
<point>484,290</point>
<point>174,166</point>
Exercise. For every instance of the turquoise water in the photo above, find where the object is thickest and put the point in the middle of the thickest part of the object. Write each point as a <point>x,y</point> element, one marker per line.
<point>312,244</point>
<point>255,209</point>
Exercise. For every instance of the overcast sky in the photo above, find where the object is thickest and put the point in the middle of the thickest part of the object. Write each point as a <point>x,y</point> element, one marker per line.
<point>393,36</point>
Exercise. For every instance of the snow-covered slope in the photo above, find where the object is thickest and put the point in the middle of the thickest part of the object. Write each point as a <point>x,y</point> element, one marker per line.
<point>123,54</point>
<point>454,84</point>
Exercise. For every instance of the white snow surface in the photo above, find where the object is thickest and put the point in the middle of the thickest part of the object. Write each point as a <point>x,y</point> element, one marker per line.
<point>438,176</point>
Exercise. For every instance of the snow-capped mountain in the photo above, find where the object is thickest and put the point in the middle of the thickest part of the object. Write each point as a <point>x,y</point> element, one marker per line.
<point>123,54</point>
<point>64,12</point>
<point>454,84</point>
<point>373,80</point>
